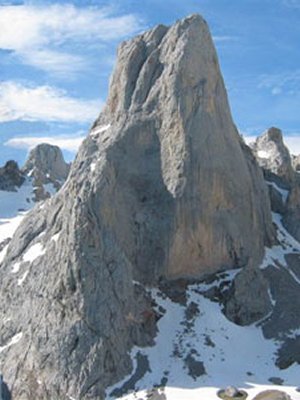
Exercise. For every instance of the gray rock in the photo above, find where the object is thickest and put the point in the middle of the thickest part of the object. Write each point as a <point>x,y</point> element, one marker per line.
<point>189,149</point>
<point>248,300</point>
<point>278,205</point>
<point>150,195</point>
<point>195,367</point>
<point>276,380</point>
<point>291,218</point>
<point>279,167</point>
<point>272,395</point>
<point>10,176</point>
<point>296,162</point>
<point>285,294</point>
<point>46,165</point>
<point>274,156</point>
<point>47,159</point>
<point>231,391</point>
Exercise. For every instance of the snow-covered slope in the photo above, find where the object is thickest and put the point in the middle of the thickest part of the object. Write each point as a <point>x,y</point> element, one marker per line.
<point>198,350</point>
<point>13,208</point>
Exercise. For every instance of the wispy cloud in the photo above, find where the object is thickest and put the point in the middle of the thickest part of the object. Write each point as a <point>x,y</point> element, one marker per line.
<point>59,63</point>
<point>221,39</point>
<point>43,103</point>
<point>69,143</point>
<point>33,32</point>
<point>287,81</point>
<point>291,3</point>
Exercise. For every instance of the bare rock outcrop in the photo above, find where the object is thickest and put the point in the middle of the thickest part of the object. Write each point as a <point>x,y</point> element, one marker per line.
<point>162,187</point>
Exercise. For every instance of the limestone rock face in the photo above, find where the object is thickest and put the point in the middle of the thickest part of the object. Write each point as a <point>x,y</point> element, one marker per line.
<point>10,176</point>
<point>163,187</point>
<point>168,103</point>
<point>48,169</point>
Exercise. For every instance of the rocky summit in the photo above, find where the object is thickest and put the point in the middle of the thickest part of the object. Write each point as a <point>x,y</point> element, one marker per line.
<point>163,192</point>
<point>47,168</point>
<point>11,177</point>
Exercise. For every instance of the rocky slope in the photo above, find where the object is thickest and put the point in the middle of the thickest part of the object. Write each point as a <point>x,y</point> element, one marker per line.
<point>162,192</point>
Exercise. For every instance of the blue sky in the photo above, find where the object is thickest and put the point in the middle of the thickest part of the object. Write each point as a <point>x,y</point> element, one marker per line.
<point>56,58</point>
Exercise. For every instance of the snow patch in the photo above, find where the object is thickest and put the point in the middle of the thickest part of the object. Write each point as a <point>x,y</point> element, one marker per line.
<point>9,226</point>
<point>276,254</point>
<point>50,188</point>
<point>99,129</point>
<point>34,252</point>
<point>3,253</point>
<point>263,154</point>
<point>273,301</point>
<point>22,279</point>
<point>13,202</point>
<point>14,340</point>
<point>93,166</point>
<point>231,354</point>
<point>16,267</point>
<point>55,237</point>
<point>284,193</point>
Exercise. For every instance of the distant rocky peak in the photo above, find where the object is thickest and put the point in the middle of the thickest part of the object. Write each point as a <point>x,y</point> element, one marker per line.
<point>48,160</point>
<point>274,156</point>
<point>46,166</point>
<point>10,176</point>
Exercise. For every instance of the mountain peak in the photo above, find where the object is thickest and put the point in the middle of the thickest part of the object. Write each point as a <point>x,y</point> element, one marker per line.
<point>151,197</point>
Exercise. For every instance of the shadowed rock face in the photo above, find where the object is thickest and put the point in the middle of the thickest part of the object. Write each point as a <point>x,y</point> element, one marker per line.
<point>10,176</point>
<point>161,187</point>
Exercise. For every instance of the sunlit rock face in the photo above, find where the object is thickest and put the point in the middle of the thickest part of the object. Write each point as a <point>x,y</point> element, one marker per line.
<point>169,110</point>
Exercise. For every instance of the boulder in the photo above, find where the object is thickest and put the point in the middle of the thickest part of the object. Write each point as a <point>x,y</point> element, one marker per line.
<point>272,395</point>
<point>248,300</point>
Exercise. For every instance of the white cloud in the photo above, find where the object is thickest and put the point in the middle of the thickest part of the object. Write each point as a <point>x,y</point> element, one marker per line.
<point>69,143</point>
<point>62,64</point>
<point>31,31</point>
<point>43,103</point>
<point>292,141</point>
<point>219,39</point>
